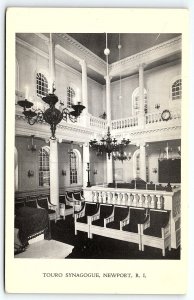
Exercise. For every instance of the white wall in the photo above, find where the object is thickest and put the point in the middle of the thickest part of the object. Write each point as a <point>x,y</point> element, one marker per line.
<point>157,82</point>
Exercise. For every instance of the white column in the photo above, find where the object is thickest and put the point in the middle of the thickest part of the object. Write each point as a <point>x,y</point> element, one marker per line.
<point>109,171</point>
<point>108,99</point>
<point>51,64</point>
<point>109,162</point>
<point>54,174</point>
<point>86,159</point>
<point>141,95</point>
<point>142,162</point>
<point>84,84</point>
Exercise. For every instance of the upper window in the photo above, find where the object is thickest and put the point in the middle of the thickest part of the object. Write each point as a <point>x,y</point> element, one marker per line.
<point>44,166</point>
<point>70,96</point>
<point>41,85</point>
<point>73,168</point>
<point>136,104</point>
<point>177,90</point>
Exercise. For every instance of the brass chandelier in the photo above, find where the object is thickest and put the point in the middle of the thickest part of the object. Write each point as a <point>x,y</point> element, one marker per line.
<point>51,115</point>
<point>109,145</point>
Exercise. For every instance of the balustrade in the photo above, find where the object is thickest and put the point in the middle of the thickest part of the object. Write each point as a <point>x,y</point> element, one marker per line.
<point>137,198</point>
<point>141,198</point>
<point>125,123</point>
<point>97,122</point>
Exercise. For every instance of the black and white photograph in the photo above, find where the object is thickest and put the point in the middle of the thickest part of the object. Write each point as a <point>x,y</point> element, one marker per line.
<point>97,142</point>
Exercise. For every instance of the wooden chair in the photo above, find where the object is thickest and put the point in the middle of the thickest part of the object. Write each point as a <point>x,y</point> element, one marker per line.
<point>65,209</point>
<point>155,232</point>
<point>44,203</point>
<point>81,218</point>
<point>32,201</point>
<point>119,214</point>
<point>72,201</point>
<point>130,226</point>
<point>20,202</point>
<point>97,220</point>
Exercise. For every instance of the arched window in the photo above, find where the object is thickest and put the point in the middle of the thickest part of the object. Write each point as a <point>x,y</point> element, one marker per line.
<point>70,96</point>
<point>135,102</point>
<point>73,168</point>
<point>41,85</point>
<point>177,90</point>
<point>44,168</point>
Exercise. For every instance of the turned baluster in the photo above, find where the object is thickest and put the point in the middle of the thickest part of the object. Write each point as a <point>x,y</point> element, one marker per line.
<point>134,202</point>
<point>141,200</point>
<point>113,197</point>
<point>146,201</point>
<point>159,202</point>
<point>152,202</point>
<point>123,200</point>
<point>108,197</point>
<point>118,198</point>
<point>103,197</point>
<point>128,201</point>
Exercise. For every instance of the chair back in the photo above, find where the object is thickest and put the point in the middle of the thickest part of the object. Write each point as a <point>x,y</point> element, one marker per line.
<point>105,211</point>
<point>159,218</point>
<point>32,202</point>
<point>62,199</point>
<point>19,202</point>
<point>91,208</point>
<point>77,196</point>
<point>120,213</point>
<point>137,215</point>
<point>43,202</point>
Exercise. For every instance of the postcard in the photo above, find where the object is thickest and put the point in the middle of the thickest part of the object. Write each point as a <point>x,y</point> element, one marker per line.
<point>96,151</point>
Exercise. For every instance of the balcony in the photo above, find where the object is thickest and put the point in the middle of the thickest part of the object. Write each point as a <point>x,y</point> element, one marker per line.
<point>150,126</point>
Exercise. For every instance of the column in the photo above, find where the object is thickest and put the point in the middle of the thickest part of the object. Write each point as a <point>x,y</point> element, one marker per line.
<point>86,159</point>
<point>51,64</point>
<point>108,99</point>
<point>141,95</point>
<point>84,85</point>
<point>109,170</point>
<point>142,162</point>
<point>109,161</point>
<point>54,174</point>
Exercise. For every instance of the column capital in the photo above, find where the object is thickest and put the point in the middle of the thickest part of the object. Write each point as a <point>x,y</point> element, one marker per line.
<point>82,62</point>
<point>108,78</point>
<point>141,66</point>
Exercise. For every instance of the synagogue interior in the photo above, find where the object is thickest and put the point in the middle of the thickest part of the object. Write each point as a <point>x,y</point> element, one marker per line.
<point>97,145</point>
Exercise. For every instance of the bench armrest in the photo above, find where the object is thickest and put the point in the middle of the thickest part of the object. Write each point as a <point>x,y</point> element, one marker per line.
<point>109,219</point>
<point>145,225</point>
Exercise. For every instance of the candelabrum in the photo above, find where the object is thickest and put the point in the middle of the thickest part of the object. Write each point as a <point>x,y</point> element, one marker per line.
<point>109,145</point>
<point>51,115</point>
<point>88,170</point>
<point>121,156</point>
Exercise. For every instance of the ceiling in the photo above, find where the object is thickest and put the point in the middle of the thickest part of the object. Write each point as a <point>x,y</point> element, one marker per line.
<point>131,43</point>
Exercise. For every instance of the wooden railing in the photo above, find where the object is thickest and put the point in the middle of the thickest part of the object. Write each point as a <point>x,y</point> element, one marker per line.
<point>125,123</point>
<point>97,122</point>
<point>141,198</point>
<point>156,117</point>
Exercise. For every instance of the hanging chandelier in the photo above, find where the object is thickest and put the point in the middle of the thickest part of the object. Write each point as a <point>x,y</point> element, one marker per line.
<point>51,115</point>
<point>121,156</point>
<point>109,145</point>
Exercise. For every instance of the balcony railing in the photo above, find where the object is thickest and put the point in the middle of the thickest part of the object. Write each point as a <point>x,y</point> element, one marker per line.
<point>97,122</point>
<point>125,123</point>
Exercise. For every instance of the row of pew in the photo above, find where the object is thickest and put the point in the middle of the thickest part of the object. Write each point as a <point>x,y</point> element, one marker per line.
<point>35,201</point>
<point>150,227</point>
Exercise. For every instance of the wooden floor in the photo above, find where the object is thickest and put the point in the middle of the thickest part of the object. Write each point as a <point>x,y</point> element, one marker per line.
<point>102,247</point>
